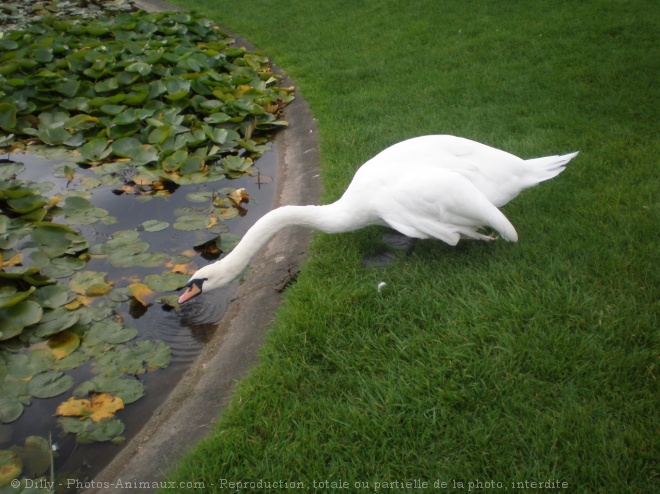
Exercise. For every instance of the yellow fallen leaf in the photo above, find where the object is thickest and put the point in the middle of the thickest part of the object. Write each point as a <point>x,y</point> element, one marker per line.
<point>239,196</point>
<point>101,406</point>
<point>142,293</point>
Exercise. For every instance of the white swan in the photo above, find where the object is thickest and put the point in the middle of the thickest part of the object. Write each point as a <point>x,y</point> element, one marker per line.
<point>437,186</point>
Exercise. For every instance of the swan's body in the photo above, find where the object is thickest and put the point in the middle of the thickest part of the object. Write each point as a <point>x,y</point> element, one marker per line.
<point>434,186</point>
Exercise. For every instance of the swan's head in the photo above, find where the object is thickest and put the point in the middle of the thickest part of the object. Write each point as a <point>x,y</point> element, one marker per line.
<point>204,280</point>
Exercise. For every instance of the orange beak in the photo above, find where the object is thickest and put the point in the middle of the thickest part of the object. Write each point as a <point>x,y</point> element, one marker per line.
<point>193,290</point>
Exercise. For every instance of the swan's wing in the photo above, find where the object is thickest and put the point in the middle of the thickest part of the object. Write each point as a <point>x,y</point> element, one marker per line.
<point>494,172</point>
<point>444,205</point>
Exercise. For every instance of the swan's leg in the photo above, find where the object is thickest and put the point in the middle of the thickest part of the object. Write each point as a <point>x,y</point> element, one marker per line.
<point>395,240</point>
<point>399,241</point>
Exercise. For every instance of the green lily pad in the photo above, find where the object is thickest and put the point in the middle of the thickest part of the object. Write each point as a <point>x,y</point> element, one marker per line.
<point>49,384</point>
<point>88,431</point>
<point>51,296</point>
<point>36,456</point>
<point>11,466</point>
<point>73,361</point>
<point>14,387</point>
<point>7,116</point>
<point>55,321</point>
<point>109,332</point>
<point>55,240</point>
<point>25,365</point>
<point>228,241</point>
<point>129,390</point>
<point>192,222</point>
<point>9,296</point>
<point>166,282</point>
<point>144,259</point>
<point>63,267</point>
<point>154,225</point>
<point>17,317</point>
<point>95,149</point>
<point>89,283</point>
<point>134,359</point>
<point>10,409</point>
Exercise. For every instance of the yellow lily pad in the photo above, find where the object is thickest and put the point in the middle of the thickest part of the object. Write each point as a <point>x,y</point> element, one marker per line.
<point>100,406</point>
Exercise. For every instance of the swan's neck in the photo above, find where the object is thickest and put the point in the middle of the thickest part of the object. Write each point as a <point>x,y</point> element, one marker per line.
<point>332,218</point>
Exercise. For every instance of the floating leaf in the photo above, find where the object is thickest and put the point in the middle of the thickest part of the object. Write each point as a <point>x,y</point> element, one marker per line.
<point>141,68</point>
<point>87,282</point>
<point>11,466</point>
<point>228,241</point>
<point>109,332</point>
<point>88,431</point>
<point>36,456</point>
<point>134,359</point>
<point>16,388</point>
<point>56,320</point>
<point>192,222</point>
<point>55,240</point>
<point>49,384</point>
<point>51,296</point>
<point>95,149</point>
<point>142,293</point>
<point>7,116</point>
<point>74,360</point>
<point>11,297</point>
<point>63,267</point>
<point>166,282</point>
<point>25,365</point>
<point>129,390</point>
<point>17,317</point>
<point>100,406</point>
<point>154,225</point>
<point>10,410</point>
<point>63,344</point>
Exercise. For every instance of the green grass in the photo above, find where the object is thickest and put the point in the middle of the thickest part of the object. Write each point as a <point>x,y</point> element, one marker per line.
<point>493,362</point>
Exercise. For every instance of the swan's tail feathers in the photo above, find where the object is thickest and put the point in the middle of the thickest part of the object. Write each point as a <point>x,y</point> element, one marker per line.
<point>549,166</point>
<point>504,227</point>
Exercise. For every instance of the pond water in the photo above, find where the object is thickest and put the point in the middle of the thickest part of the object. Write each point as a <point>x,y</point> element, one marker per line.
<point>185,331</point>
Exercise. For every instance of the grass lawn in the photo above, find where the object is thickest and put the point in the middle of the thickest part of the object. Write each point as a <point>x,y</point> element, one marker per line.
<point>503,363</point>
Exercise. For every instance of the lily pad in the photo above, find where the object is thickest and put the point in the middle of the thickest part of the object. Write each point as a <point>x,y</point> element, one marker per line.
<point>9,296</point>
<point>88,431</point>
<point>49,384</point>
<point>51,296</point>
<point>10,409</point>
<point>55,321</point>
<point>95,149</point>
<point>17,317</point>
<point>63,344</point>
<point>166,282</point>
<point>23,365</point>
<point>154,225</point>
<point>136,359</point>
<point>100,406</point>
<point>36,456</point>
<point>11,466</point>
<point>109,332</point>
<point>90,283</point>
<point>129,390</point>
<point>192,222</point>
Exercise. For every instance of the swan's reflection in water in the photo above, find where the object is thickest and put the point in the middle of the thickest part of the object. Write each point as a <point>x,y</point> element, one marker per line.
<point>202,314</point>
